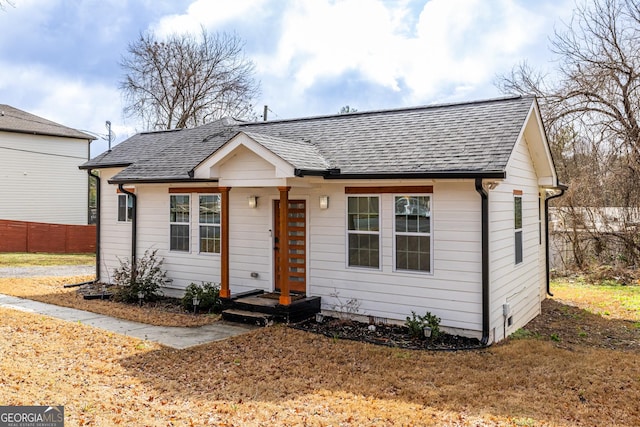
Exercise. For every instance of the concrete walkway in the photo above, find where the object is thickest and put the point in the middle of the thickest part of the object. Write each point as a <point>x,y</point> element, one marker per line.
<point>175,337</point>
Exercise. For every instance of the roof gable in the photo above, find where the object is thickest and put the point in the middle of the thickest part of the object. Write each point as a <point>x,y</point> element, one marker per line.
<point>536,139</point>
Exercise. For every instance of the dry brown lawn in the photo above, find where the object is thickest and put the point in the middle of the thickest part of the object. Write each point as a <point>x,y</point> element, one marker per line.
<point>51,290</point>
<point>279,376</point>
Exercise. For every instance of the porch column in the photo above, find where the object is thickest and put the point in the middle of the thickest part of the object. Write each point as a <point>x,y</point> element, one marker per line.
<point>224,242</point>
<point>285,297</point>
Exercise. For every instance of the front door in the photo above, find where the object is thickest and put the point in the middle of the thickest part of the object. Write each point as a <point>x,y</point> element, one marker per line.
<point>297,274</point>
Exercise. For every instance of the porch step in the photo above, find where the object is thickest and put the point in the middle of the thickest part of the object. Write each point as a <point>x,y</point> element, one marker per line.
<point>248,317</point>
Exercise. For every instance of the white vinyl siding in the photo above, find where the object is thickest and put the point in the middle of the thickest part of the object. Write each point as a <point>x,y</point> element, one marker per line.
<point>115,237</point>
<point>516,284</point>
<point>41,181</point>
<point>453,289</point>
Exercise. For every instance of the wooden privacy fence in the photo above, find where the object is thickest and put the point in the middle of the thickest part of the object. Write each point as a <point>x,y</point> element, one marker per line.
<point>21,236</point>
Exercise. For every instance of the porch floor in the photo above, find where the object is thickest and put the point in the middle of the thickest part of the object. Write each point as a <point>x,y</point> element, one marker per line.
<point>256,307</point>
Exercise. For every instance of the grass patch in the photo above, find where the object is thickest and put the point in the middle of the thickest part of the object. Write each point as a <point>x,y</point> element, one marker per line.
<point>606,299</point>
<point>44,260</point>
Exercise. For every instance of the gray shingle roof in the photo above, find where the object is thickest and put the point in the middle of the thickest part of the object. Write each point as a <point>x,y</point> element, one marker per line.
<point>298,152</point>
<point>471,137</point>
<point>15,120</point>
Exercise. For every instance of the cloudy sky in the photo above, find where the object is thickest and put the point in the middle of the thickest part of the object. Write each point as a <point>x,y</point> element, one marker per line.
<point>59,59</point>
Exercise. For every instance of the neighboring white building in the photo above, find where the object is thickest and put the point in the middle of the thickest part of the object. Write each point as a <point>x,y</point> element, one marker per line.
<point>39,176</point>
<point>436,208</point>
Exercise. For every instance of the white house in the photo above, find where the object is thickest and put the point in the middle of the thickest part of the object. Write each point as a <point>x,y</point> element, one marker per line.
<point>39,176</point>
<point>438,208</point>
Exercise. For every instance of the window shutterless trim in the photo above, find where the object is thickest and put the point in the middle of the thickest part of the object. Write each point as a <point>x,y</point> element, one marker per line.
<point>377,233</point>
<point>181,223</point>
<point>413,234</point>
<point>518,236</point>
<point>212,225</point>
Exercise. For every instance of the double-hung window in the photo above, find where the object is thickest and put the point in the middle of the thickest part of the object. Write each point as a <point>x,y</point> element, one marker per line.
<point>179,222</point>
<point>517,209</point>
<point>209,222</point>
<point>363,216</point>
<point>125,207</point>
<point>412,230</point>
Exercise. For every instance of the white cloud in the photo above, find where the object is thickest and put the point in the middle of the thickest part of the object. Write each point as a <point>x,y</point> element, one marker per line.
<point>325,39</point>
<point>209,14</point>
<point>454,47</point>
<point>70,102</point>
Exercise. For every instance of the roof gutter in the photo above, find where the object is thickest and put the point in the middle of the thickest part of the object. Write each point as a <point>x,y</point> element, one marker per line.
<point>419,175</point>
<point>104,166</point>
<point>134,227</point>
<point>485,262</point>
<point>158,181</point>
<point>561,189</point>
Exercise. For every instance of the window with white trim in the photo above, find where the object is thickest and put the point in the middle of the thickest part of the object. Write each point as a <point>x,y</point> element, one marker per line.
<point>179,222</point>
<point>412,233</point>
<point>209,223</point>
<point>363,231</point>
<point>125,207</point>
<point>517,210</point>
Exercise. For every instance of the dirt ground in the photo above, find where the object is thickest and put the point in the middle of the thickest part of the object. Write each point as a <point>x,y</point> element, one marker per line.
<point>569,367</point>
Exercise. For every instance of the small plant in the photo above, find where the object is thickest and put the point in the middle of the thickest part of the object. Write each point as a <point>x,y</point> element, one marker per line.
<point>555,337</point>
<point>416,324</point>
<point>147,277</point>
<point>345,310</point>
<point>208,294</point>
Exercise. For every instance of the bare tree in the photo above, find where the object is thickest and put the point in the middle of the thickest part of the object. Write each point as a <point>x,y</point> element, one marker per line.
<point>186,81</point>
<point>591,108</point>
<point>5,3</point>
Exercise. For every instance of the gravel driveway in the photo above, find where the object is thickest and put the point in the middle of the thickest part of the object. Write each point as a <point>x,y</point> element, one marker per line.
<point>57,270</point>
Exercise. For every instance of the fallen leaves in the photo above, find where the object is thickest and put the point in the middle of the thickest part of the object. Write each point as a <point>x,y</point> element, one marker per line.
<point>279,376</point>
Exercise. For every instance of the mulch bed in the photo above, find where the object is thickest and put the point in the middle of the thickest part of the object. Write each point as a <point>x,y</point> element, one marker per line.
<point>384,334</point>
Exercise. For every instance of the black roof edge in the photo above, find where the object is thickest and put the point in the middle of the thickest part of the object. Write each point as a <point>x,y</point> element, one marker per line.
<point>159,181</point>
<point>311,172</point>
<point>104,166</point>
<point>422,175</point>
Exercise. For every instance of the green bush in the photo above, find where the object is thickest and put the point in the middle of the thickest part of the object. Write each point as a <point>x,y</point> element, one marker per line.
<point>416,324</point>
<point>207,293</point>
<point>147,278</point>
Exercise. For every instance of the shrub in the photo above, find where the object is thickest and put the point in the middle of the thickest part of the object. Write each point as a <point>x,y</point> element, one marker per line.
<point>207,293</point>
<point>147,278</point>
<point>416,324</point>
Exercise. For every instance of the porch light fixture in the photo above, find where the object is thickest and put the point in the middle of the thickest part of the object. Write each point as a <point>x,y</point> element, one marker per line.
<point>324,202</point>
<point>253,201</point>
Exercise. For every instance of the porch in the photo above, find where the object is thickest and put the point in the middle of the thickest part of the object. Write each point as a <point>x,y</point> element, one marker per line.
<point>261,308</point>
